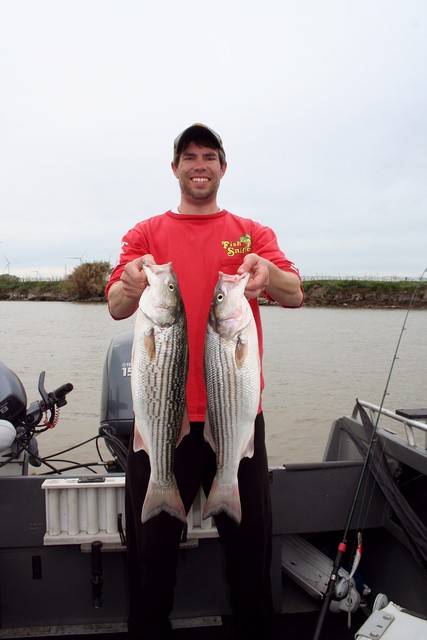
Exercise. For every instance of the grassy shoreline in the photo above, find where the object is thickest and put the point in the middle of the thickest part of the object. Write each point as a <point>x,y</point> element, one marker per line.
<point>366,293</point>
<point>333,293</point>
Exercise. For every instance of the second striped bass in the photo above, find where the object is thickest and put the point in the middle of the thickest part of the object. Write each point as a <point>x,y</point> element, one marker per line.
<point>232,373</point>
<point>158,380</point>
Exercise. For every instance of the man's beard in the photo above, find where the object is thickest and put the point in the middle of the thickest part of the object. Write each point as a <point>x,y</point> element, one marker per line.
<point>199,194</point>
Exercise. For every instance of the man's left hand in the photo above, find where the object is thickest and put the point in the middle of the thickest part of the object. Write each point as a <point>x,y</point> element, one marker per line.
<point>259,274</point>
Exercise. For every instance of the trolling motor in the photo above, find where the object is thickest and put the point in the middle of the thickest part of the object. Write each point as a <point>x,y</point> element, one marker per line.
<point>19,425</point>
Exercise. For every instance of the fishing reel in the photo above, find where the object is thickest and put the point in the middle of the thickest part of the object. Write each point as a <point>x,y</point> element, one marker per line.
<point>346,596</point>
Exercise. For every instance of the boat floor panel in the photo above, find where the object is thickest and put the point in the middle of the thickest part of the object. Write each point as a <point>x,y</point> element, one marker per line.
<point>296,626</point>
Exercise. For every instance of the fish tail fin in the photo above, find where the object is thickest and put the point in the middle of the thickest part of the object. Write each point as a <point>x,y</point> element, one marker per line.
<point>160,498</point>
<point>223,497</point>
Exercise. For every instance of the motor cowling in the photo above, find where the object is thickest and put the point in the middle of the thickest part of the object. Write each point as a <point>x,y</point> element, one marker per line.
<point>7,435</point>
<point>116,413</point>
<point>13,399</point>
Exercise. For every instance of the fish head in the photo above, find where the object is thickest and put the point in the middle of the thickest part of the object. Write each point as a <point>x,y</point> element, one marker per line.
<point>228,313</point>
<point>161,301</point>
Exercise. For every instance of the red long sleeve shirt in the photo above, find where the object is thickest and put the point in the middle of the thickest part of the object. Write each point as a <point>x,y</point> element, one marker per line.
<point>199,246</point>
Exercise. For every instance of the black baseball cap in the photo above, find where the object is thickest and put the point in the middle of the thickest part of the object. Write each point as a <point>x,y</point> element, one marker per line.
<point>195,131</point>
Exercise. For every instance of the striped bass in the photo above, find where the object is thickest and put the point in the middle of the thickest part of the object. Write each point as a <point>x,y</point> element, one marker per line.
<point>232,374</point>
<point>158,380</point>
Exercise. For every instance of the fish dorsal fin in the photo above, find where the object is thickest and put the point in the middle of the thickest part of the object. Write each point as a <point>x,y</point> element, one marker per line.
<point>241,351</point>
<point>150,344</point>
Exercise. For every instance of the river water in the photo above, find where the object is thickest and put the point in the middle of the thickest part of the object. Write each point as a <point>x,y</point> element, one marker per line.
<point>317,361</point>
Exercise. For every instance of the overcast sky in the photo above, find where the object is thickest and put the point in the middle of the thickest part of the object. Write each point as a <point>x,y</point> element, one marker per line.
<point>321,104</point>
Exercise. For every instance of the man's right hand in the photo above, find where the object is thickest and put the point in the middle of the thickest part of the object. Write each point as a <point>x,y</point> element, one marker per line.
<point>133,278</point>
<point>124,295</point>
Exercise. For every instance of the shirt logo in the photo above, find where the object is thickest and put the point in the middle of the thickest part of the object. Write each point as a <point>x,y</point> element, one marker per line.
<point>242,245</point>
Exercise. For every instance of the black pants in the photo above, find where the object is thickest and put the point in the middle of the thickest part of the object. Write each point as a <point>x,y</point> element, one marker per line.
<point>153,547</point>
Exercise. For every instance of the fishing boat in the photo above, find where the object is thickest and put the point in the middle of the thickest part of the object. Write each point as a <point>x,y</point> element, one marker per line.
<point>63,532</point>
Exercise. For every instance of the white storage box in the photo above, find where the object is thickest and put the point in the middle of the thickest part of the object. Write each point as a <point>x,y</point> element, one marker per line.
<point>78,512</point>
<point>82,510</point>
<point>393,623</point>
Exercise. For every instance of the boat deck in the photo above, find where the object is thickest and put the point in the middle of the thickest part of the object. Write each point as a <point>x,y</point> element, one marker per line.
<point>298,622</point>
<point>296,626</point>
<point>44,557</point>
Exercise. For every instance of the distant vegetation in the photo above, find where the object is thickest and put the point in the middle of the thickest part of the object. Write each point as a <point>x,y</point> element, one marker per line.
<point>87,283</point>
<point>88,280</point>
<point>377,286</point>
<point>366,293</point>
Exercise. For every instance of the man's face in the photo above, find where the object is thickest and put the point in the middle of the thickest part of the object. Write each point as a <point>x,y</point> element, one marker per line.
<point>199,172</point>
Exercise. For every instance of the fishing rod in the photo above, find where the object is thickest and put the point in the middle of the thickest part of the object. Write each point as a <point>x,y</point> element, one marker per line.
<point>342,546</point>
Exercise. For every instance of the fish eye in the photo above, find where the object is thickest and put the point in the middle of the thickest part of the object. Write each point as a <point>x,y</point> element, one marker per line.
<point>220,297</point>
<point>171,286</point>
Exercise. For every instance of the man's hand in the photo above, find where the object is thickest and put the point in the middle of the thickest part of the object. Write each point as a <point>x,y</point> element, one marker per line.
<point>124,295</point>
<point>133,278</point>
<point>283,286</point>
<point>259,275</point>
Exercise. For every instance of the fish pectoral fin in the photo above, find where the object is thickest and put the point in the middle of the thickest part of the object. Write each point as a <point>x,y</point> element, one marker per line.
<point>185,427</point>
<point>207,433</point>
<point>241,351</point>
<point>150,344</point>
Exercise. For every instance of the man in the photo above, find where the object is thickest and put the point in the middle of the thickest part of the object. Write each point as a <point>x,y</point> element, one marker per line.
<point>201,239</point>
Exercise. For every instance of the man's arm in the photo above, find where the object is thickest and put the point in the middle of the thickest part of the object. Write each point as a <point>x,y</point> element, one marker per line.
<point>124,295</point>
<point>283,286</point>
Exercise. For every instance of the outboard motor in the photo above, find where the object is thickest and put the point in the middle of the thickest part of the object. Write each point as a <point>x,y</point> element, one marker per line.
<point>7,435</point>
<point>13,399</point>
<point>13,404</point>
<point>116,415</point>
<point>19,424</point>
